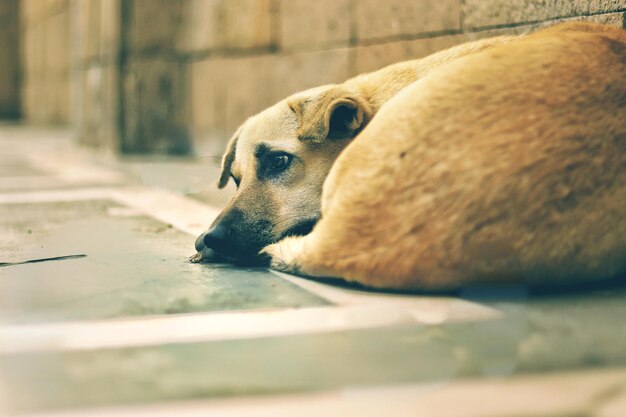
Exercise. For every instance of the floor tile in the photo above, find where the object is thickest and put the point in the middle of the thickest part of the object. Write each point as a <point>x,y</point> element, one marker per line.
<point>133,266</point>
<point>533,336</point>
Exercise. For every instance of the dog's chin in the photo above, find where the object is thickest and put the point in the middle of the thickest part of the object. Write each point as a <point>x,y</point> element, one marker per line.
<point>244,257</point>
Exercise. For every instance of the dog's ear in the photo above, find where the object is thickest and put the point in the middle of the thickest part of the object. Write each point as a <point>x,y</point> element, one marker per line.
<point>334,114</point>
<point>228,159</point>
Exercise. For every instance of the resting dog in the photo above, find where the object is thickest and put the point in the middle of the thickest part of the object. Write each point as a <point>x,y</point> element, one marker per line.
<point>498,160</point>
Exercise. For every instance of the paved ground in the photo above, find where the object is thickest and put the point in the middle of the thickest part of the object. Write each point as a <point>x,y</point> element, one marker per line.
<point>122,325</point>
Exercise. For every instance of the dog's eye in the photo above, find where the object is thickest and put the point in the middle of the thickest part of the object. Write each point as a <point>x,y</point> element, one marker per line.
<point>279,162</point>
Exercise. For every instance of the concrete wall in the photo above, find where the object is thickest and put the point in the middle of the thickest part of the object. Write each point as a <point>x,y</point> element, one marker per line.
<point>9,59</point>
<point>172,76</point>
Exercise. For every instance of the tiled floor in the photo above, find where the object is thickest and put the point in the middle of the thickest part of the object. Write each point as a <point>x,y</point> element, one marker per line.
<point>131,328</point>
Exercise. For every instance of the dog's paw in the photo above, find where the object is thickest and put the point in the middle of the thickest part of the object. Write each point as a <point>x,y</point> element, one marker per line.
<point>282,256</point>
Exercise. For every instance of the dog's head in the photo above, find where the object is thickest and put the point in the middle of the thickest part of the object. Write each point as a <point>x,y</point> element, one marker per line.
<point>279,160</point>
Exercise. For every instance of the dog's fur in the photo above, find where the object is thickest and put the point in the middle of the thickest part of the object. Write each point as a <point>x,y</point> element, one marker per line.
<point>502,159</point>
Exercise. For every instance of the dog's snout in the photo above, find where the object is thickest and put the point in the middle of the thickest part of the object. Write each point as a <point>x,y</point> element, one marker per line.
<point>234,237</point>
<point>217,237</point>
<point>200,243</point>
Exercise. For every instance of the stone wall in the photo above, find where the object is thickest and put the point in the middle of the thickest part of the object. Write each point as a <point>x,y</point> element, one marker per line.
<point>177,76</point>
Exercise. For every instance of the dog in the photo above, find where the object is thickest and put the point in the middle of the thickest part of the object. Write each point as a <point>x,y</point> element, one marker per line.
<point>498,160</point>
<point>279,158</point>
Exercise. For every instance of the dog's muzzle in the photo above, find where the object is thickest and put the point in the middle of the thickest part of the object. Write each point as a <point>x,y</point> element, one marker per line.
<point>216,238</point>
<point>234,240</point>
<point>221,242</point>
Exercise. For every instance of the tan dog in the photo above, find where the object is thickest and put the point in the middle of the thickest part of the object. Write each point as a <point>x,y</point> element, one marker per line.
<point>280,157</point>
<point>495,162</point>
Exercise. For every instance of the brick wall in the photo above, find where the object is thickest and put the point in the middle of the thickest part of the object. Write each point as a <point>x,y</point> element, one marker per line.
<point>177,75</point>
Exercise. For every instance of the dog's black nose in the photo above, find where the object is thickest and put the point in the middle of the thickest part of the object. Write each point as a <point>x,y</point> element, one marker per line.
<point>200,243</point>
<point>218,237</point>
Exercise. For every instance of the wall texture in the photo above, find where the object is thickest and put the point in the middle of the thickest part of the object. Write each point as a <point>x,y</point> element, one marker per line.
<point>9,59</point>
<point>174,76</point>
<point>45,37</point>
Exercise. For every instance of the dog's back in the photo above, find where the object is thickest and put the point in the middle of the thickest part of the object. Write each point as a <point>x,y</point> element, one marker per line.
<point>508,164</point>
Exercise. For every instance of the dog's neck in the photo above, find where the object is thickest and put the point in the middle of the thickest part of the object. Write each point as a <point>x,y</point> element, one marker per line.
<point>380,86</point>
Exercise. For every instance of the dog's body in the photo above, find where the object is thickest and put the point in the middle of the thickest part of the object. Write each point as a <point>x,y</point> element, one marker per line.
<point>497,160</point>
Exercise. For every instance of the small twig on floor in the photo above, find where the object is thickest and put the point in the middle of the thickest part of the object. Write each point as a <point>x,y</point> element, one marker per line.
<point>33,261</point>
